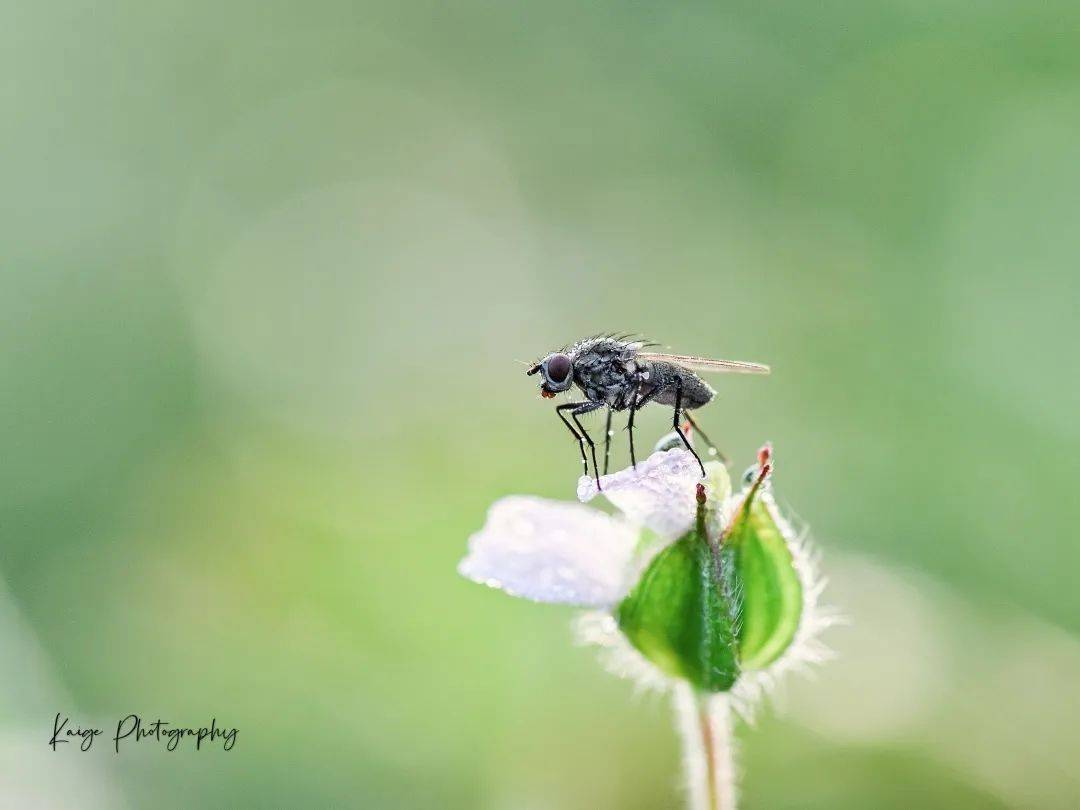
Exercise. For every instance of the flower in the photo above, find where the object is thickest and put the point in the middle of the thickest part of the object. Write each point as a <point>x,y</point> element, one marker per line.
<point>687,582</point>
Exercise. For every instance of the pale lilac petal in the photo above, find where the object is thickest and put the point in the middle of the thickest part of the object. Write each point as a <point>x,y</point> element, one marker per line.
<point>659,494</point>
<point>552,551</point>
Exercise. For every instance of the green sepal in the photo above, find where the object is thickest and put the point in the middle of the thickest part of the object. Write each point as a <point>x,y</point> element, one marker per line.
<point>772,598</point>
<point>682,613</point>
<point>704,611</point>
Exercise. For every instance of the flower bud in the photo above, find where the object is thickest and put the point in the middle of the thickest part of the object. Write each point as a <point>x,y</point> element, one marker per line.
<point>708,608</point>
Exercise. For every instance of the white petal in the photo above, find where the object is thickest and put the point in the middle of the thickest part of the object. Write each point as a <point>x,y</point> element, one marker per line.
<point>552,551</point>
<point>659,494</point>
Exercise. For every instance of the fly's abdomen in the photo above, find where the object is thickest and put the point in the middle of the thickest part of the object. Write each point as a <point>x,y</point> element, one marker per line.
<point>695,391</point>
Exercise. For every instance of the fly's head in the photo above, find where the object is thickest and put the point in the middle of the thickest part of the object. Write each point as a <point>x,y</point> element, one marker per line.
<point>556,370</point>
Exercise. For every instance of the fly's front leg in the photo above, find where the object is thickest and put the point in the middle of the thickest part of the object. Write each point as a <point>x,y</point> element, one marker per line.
<point>607,440</point>
<point>678,428</point>
<point>580,409</point>
<point>581,445</point>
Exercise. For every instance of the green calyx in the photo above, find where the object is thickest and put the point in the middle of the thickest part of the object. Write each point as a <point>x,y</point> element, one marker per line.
<point>710,607</point>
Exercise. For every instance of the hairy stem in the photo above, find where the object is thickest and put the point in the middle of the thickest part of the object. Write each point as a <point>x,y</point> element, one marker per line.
<point>705,724</point>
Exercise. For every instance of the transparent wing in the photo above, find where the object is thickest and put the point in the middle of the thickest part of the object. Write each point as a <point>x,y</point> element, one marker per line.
<point>705,364</point>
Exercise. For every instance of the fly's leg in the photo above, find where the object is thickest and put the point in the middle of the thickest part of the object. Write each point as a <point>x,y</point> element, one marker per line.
<point>712,447</point>
<point>581,408</point>
<point>678,429</point>
<point>607,440</point>
<point>581,445</point>
<point>637,403</point>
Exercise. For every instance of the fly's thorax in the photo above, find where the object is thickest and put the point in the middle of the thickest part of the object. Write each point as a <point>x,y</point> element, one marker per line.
<point>606,373</point>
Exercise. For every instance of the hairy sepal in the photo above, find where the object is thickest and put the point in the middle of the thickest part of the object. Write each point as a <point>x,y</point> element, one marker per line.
<point>683,613</point>
<point>709,607</point>
<point>772,593</point>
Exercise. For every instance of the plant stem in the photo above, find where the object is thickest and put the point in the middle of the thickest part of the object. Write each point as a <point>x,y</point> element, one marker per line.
<point>705,724</point>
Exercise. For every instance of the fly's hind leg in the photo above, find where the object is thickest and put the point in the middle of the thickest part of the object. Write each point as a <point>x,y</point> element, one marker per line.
<point>713,450</point>
<point>678,429</point>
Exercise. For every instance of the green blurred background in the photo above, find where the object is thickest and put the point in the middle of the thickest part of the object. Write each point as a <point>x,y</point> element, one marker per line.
<point>266,271</point>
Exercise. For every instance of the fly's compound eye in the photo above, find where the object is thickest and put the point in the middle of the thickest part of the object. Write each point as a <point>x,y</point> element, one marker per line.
<point>558,368</point>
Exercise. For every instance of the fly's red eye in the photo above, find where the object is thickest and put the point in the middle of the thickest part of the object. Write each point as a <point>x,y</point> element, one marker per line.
<point>558,368</point>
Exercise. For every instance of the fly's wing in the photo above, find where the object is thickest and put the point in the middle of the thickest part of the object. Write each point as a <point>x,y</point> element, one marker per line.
<point>706,365</point>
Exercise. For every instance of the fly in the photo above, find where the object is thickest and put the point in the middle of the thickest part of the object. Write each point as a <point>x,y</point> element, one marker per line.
<point>618,373</point>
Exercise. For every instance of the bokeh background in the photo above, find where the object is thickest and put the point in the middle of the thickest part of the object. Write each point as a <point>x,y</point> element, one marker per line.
<point>267,269</point>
